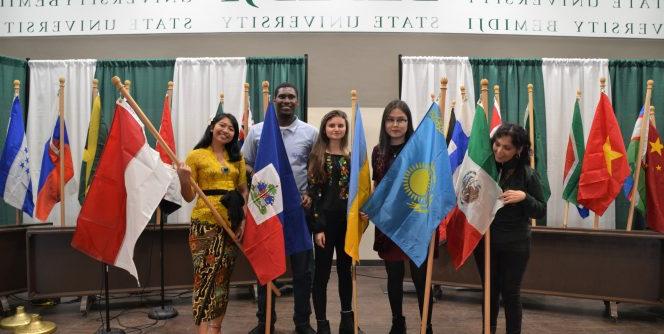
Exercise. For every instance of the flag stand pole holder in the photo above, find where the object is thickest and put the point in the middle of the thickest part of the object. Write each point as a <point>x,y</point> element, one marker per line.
<point>106,328</point>
<point>163,311</point>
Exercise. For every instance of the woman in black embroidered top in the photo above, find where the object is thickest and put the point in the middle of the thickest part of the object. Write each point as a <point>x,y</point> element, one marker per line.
<point>510,230</point>
<point>328,178</point>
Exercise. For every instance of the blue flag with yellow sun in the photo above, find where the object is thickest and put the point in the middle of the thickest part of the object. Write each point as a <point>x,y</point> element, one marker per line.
<point>417,191</point>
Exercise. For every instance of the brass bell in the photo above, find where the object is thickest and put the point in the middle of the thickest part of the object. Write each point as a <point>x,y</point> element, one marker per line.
<point>19,319</point>
<point>37,326</point>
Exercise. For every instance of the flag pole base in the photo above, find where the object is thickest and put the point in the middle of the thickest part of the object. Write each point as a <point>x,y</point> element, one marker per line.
<point>111,331</point>
<point>162,313</point>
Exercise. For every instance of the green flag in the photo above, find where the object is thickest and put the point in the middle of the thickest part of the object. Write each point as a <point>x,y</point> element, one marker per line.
<point>94,145</point>
<point>573,158</point>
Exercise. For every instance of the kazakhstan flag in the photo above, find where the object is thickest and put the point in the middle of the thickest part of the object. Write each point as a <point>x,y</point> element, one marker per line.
<point>417,191</point>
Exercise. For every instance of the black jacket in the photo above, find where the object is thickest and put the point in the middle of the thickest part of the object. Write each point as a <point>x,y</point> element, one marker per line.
<point>512,221</point>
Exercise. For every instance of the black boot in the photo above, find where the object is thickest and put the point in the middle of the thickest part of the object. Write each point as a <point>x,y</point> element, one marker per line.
<point>398,325</point>
<point>429,329</point>
<point>323,327</point>
<point>347,323</point>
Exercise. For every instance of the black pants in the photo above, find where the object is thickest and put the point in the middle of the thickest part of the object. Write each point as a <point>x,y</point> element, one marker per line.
<point>508,264</point>
<point>395,273</point>
<point>335,237</point>
<point>301,266</point>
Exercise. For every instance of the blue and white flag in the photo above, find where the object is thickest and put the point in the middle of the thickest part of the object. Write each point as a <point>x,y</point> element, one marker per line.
<point>14,165</point>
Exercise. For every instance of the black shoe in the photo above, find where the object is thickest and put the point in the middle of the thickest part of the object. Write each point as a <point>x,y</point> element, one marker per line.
<point>323,327</point>
<point>347,323</point>
<point>398,325</point>
<point>304,329</point>
<point>260,329</point>
<point>429,329</point>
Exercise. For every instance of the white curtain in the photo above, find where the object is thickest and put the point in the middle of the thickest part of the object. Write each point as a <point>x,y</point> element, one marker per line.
<point>198,82</point>
<point>42,115</point>
<point>562,78</point>
<point>421,77</point>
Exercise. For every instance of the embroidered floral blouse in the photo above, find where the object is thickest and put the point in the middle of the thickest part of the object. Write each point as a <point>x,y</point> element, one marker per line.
<point>333,194</point>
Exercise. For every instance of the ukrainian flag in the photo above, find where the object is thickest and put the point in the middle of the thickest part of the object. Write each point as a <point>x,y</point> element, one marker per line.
<point>359,191</point>
<point>417,191</point>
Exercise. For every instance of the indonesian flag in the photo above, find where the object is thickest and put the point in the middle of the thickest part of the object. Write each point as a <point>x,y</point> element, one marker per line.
<point>496,120</point>
<point>477,194</point>
<point>129,183</point>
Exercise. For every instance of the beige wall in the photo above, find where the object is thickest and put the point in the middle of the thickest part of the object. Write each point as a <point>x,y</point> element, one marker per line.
<point>338,62</point>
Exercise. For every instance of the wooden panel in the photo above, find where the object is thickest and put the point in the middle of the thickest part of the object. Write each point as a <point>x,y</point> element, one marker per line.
<point>612,265</point>
<point>56,269</point>
<point>13,276</point>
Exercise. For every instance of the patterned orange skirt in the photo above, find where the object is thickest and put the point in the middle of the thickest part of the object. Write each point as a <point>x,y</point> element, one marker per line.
<point>213,253</point>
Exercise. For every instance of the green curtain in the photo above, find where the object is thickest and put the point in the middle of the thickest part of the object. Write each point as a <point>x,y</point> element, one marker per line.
<point>276,70</point>
<point>10,69</point>
<point>149,79</point>
<point>513,77</point>
<point>628,90</point>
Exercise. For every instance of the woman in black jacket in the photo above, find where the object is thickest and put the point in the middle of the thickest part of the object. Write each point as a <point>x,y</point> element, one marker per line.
<point>510,229</point>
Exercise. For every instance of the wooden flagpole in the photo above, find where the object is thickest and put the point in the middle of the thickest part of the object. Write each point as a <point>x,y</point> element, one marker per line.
<point>487,236</point>
<point>139,112</point>
<point>245,110</point>
<point>17,90</point>
<point>432,243</point>
<point>642,141</point>
<point>531,132</point>
<point>61,148</point>
<point>266,95</point>
<point>652,116</point>
<point>356,313</point>
<point>268,307</point>
<point>169,94</point>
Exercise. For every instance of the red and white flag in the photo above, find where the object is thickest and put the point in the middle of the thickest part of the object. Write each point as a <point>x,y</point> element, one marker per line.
<point>496,120</point>
<point>127,187</point>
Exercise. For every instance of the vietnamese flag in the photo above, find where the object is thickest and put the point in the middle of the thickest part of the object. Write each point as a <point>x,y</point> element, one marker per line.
<point>654,181</point>
<point>605,166</point>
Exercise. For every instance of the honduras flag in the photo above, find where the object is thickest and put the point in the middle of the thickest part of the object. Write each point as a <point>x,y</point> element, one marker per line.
<point>417,191</point>
<point>14,165</point>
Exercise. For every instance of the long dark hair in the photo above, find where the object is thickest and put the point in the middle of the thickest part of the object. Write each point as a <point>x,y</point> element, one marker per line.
<point>520,141</point>
<point>316,167</point>
<point>232,147</point>
<point>384,139</point>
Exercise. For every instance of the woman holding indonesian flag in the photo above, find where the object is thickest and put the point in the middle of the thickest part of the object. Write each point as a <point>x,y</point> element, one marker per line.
<point>510,230</point>
<point>219,169</point>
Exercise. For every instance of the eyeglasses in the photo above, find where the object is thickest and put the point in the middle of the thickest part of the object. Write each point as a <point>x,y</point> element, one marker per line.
<point>397,121</point>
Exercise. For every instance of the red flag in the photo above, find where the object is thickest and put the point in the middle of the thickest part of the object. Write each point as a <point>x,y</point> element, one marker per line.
<point>605,161</point>
<point>654,181</point>
<point>127,187</point>
<point>166,131</point>
<point>496,120</point>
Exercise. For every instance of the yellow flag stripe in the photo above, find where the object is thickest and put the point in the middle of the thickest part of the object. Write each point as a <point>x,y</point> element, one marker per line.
<point>356,226</point>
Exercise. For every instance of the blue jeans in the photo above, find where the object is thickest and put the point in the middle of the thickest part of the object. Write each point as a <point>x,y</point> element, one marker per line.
<point>301,266</point>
